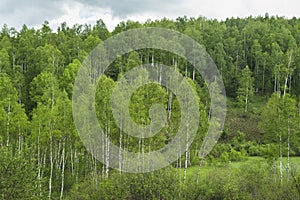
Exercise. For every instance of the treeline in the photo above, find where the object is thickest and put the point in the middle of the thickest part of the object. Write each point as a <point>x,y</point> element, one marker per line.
<point>41,153</point>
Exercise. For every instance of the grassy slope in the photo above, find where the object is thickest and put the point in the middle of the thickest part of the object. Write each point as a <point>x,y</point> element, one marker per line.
<point>193,171</point>
<point>237,120</point>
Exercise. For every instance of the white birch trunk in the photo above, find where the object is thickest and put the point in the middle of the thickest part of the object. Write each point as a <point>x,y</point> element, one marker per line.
<point>104,142</point>
<point>39,162</point>
<point>256,75</point>
<point>160,72</point>
<point>107,153</point>
<point>72,160</point>
<point>280,159</point>
<point>288,154</point>
<point>263,77</point>
<point>246,102</point>
<point>143,154</point>
<point>285,85</point>
<point>120,152</point>
<point>51,168</point>
<point>275,81</point>
<point>170,105</point>
<point>198,174</point>
<point>44,163</point>
<point>152,60</point>
<point>76,166</point>
<point>186,71</point>
<point>149,154</point>
<point>139,152</point>
<point>8,123</point>
<point>19,138</point>
<point>62,170</point>
<point>287,76</point>
<point>186,145</point>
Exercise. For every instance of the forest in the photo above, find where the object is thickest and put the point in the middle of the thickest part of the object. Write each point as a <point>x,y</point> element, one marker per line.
<point>256,157</point>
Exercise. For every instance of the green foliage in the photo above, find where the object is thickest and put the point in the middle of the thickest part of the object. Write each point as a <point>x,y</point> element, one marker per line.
<point>245,91</point>
<point>17,175</point>
<point>4,62</point>
<point>279,119</point>
<point>90,43</point>
<point>249,181</point>
<point>163,184</point>
<point>44,89</point>
<point>68,77</point>
<point>41,154</point>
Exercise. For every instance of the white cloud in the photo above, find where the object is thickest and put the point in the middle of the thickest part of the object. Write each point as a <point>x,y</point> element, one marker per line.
<point>78,13</point>
<point>34,12</point>
<point>16,13</point>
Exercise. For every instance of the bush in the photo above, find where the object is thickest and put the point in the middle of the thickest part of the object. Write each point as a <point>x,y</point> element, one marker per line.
<point>225,157</point>
<point>195,160</point>
<point>162,184</point>
<point>235,155</point>
<point>17,175</point>
<point>254,151</point>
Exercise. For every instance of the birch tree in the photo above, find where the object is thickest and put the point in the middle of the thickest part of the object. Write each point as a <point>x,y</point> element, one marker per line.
<point>13,118</point>
<point>245,91</point>
<point>279,122</point>
<point>45,92</point>
<point>103,105</point>
<point>65,131</point>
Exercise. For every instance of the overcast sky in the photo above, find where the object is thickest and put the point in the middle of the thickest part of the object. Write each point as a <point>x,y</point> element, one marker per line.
<point>33,13</point>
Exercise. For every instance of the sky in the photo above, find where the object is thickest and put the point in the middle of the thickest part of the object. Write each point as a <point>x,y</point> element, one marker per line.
<point>33,13</point>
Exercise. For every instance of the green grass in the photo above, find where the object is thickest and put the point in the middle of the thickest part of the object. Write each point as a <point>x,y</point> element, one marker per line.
<point>294,161</point>
<point>218,166</point>
<point>248,160</point>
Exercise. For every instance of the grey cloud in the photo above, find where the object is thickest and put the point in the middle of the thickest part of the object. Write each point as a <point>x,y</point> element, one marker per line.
<point>125,8</point>
<point>33,12</point>
<point>15,13</point>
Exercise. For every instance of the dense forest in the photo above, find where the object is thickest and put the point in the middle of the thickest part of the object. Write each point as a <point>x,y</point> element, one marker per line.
<point>256,157</point>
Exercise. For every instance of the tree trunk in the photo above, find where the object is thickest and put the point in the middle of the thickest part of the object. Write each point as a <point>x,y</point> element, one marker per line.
<point>51,168</point>
<point>186,145</point>
<point>245,49</point>
<point>139,152</point>
<point>246,102</point>
<point>143,154</point>
<point>19,138</point>
<point>198,174</point>
<point>193,73</point>
<point>280,157</point>
<point>39,162</point>
<point>170,105</point>
<point>275,82</point>
<point>288,154</point>
<point>285,85</point>
<point>107,152</point>
<point>76,166</point>
<point>72,160</point>
<point>263,77</point>
<point>152,60</point>
<point>104,142</point>
<point>120,151</point>
<point>287,76</point>
<point>186,71</point>
<point>256,75</point>
<point>62,170</point>
<point>8,123</point>
<point>149,154</point>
